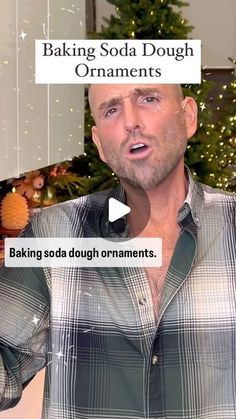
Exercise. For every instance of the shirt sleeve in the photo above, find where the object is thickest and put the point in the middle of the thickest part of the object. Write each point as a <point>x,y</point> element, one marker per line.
<point>24,323</point>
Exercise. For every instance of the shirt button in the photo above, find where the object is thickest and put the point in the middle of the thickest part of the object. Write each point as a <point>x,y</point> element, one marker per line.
<point>154,359</point>
<point>142,301</point>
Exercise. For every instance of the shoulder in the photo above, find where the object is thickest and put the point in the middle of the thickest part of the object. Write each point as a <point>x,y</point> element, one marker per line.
<point>219,204</point>
<point>218,196</point>
<point>69,218</point>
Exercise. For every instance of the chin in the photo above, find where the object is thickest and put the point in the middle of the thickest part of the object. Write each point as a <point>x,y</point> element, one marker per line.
<point>145,184</point>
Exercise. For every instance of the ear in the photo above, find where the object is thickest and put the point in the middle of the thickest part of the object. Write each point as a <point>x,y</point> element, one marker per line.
<point>190,115</point>
<point>97,142</point>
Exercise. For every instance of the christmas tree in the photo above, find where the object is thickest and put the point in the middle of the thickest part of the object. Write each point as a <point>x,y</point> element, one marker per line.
<point>211,152</point>
<point>146,19</point>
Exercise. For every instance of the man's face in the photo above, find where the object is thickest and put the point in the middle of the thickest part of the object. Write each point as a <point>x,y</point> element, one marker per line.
<point>141,130</point>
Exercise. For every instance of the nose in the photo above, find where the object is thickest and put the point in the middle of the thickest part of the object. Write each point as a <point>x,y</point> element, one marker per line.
<point>132,118</point>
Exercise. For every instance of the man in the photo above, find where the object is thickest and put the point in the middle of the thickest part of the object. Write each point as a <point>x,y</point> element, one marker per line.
<point>132,342</point>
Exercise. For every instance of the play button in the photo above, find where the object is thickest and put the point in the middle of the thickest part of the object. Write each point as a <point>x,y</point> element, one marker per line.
<point>119,216</point>
<point>116,210</point>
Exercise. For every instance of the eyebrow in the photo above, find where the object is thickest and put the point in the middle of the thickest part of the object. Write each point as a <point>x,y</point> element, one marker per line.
<point>146,91</point>
<point>136,92</point>
<point>109,103</point>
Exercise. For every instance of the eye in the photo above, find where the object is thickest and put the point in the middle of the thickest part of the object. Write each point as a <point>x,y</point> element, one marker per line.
<point>150,99</point>
<point>110,112</point>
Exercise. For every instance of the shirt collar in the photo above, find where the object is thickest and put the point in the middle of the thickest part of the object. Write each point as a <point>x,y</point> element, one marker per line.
<point>194,200</point>
<point>193,204</point>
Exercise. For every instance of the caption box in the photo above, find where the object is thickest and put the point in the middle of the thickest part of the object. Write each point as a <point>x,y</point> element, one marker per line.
<point>82,252</point>
<point>117,61</point>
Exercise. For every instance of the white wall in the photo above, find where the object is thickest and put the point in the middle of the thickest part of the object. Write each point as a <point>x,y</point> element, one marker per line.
<point>214,22</point>
<point>215,25</point>
<point>39,125</point>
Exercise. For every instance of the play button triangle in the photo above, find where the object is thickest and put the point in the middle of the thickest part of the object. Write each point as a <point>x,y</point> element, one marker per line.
<point>116,209</point>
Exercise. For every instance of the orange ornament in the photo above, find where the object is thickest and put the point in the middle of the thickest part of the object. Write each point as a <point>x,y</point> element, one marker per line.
<point>14,211</point>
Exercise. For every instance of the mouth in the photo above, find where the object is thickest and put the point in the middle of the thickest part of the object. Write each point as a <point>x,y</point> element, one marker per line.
<point>139,150</point>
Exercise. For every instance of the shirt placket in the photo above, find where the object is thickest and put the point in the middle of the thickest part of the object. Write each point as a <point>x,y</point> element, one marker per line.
<point>159,389</point>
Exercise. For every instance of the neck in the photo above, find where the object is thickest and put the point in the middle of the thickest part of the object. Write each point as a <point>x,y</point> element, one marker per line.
<point>163,201</point>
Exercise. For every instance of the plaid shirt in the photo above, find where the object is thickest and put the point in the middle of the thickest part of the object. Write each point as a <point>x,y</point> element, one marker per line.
<point>95,327</point>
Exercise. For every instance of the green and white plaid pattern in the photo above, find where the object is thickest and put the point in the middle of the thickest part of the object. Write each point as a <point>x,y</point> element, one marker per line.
<point>95,329</point>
